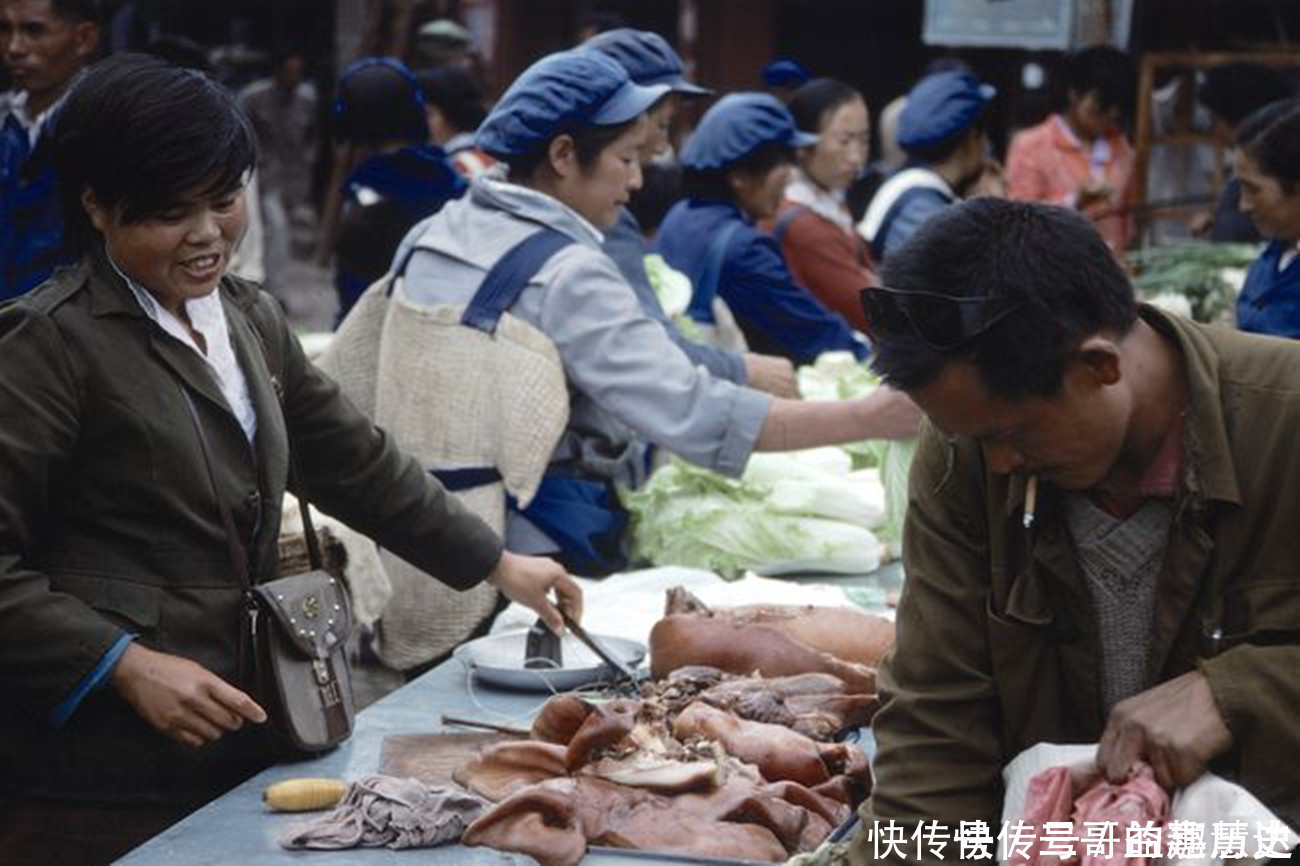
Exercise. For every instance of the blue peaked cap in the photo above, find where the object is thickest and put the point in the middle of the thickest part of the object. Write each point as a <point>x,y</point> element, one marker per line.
<point>737,125</point>
<point>940,106</point>
<point>647,57</point>
<point>784,72</point>
<point>560,93</point>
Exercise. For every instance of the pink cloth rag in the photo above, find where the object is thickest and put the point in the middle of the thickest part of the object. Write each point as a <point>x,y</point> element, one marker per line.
<point>1055,796</point>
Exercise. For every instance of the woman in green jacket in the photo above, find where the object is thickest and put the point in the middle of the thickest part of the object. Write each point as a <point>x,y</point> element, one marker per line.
<point>120,621</point>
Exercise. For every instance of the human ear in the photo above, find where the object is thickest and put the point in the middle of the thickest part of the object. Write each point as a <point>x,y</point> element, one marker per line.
<point>91,206</point>
<point>1099,356</point>
<point>562,154</point>
<point>87,39</point>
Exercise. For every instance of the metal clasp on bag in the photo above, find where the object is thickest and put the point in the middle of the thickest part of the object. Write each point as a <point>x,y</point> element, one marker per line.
<point>326,684</point>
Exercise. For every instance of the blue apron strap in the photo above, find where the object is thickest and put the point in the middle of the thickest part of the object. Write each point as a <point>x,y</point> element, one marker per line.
<point>786,217</point>
<point>400,270</point>
<point>509,277</point>
<point>466,479</point>
<point>895,209</point>
<point>701,307</point>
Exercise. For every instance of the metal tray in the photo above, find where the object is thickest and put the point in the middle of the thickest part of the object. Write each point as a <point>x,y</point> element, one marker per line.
<point>498,660</point>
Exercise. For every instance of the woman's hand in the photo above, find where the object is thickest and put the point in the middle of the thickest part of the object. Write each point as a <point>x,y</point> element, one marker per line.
<point>181,698</point>
<point>890,414</point>
<point>772,374</point>
<point>529,579</point>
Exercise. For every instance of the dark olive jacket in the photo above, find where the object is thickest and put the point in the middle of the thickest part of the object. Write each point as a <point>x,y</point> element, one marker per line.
<point>109,523</point>
<point>998,648</point>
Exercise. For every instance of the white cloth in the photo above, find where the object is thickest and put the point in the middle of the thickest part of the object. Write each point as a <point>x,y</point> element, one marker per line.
<point>628,604</point>
<point>1207,801</point>
<point>208,317</point>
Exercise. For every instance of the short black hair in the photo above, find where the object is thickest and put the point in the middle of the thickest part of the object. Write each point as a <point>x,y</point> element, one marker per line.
<point>1271,137</point>
<point>1048,263</point>
<point>712,184</point>
<point>378,99</point>
<point>813,102</point>
<point>588,142</point>
<point>142,134</point>
<point>1106,70</point>
<point>453,90</point>
<point>1235,90</point>
<point>80,10</point>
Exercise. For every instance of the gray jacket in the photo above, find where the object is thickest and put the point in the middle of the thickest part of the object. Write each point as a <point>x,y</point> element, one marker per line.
<point>628,382</point>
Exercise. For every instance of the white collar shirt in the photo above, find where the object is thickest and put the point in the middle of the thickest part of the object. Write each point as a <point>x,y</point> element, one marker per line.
<point>208,317</point>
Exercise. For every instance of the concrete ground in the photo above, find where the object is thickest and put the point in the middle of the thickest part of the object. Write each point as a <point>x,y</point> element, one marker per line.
<point>307,292</point>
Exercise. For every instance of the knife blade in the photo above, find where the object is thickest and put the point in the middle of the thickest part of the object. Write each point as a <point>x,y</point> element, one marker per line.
<point>603,652</point>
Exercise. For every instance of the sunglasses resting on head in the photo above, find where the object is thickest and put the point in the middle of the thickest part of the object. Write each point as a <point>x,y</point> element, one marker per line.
<point>942,322</point>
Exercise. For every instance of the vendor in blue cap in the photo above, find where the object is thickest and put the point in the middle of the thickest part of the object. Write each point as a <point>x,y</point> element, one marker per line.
<point>737,164</point>
<point>651,61</point>
<point>942,131</point>
<point>568,132</point>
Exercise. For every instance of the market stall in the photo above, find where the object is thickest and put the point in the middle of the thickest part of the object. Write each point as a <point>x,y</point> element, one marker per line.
<point>237,828</point>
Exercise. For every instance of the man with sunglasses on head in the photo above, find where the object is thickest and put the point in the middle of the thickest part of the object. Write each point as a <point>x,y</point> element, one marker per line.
<point>1101,541</point>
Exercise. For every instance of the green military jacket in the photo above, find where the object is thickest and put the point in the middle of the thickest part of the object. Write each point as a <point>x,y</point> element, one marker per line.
<point>109,523</point>
<point>997,647</point>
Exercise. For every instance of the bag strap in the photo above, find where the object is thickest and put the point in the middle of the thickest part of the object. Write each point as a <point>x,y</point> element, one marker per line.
<point>701,306</point>
<point>274,357</point>
<point>238,553</point>
<point>786,219</point>
<point>314,557</point>
<point>508,278</point>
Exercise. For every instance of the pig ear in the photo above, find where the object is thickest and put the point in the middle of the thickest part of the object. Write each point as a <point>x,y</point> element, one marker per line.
<point>540,821</point>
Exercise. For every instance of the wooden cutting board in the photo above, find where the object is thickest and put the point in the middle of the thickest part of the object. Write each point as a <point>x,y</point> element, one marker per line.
<point>431,758</point>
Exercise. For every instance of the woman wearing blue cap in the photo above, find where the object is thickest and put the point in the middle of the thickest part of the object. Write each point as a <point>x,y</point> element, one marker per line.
<point>651,61</point>
<point>568,131</point>
<point>737,165</point>
<point>941,128</point>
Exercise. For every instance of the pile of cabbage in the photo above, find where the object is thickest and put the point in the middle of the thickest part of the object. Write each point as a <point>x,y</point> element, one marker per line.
<point>824,510</point>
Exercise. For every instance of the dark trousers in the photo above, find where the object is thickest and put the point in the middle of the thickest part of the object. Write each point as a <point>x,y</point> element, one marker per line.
<point>43,833</point>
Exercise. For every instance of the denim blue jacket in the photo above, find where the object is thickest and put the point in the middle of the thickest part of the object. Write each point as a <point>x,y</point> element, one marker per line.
<point>1270,299</point>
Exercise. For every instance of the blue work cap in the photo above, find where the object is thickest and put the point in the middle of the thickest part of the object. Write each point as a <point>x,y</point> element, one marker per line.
<point>737,125</point>
<point>647,57</point>
<point>561,93</point>
<point>940,106</point>
<point>784,72</point>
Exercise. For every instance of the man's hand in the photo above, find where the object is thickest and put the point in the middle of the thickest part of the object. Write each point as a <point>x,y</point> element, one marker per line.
<point>772,374</point>
<point>181,698</point>
<point>529,579</point>
<point>1175,727</point>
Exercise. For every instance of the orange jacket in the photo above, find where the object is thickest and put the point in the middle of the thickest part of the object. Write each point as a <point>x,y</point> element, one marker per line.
<point>1046,163</point>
